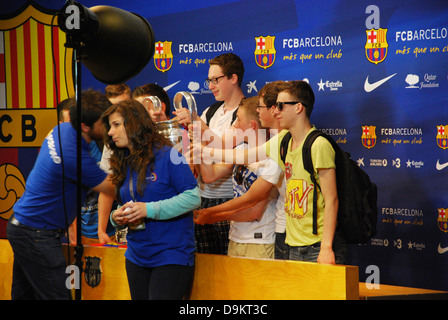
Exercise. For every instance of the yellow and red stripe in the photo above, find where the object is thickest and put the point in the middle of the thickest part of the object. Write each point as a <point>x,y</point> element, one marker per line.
<point>27,69</point>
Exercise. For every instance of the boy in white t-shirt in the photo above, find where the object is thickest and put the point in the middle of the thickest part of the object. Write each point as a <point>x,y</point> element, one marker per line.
<point>252,211</point>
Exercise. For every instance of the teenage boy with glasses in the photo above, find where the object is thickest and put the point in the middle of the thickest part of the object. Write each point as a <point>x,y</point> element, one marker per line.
<point>225,77</point>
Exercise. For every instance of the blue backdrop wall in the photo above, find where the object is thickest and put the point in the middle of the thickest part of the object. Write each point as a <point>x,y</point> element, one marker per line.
<point>379,70</point>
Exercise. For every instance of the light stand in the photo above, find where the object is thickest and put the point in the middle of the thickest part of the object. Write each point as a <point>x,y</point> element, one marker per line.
<point>79,249</point>
<point>101,38</point>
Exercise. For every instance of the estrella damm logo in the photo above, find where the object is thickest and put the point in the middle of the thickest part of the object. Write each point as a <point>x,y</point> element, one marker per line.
<point>368,136</point>
<point>163,57</point>
<point>376,45</point>
<point>442,219</point>
<point>442,136</point>
<point>265,51</point>
<point>29,76</point>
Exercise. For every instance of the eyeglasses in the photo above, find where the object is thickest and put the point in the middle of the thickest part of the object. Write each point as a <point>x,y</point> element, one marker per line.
<point>239,174</point>
<point>279,105</point>
<point>214,80</point>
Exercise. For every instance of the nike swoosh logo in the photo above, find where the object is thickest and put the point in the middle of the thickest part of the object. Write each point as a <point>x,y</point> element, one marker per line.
<point>368,87</point>
<point>442,250</point>
<point>441,166</point>
<point>170,86</point>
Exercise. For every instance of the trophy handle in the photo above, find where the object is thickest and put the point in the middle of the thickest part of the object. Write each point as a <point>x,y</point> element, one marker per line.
<point>155,102</point>
<point>191,102</point>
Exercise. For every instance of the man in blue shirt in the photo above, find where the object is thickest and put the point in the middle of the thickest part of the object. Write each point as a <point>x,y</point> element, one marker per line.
<point>48,205</point>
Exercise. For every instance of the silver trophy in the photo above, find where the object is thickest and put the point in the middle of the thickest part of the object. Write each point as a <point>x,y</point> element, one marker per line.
<point>171,128</point>
<point>157,104</point>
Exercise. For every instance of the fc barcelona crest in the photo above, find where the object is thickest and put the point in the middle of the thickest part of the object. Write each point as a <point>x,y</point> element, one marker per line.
<point>163,57</point>
<point>264,51</point>
<point>368,136</point>
<point>93,271</point>
<point>442,219</point>
<point>442,136</point>
<point>376,45</point>
<point>35,67</point>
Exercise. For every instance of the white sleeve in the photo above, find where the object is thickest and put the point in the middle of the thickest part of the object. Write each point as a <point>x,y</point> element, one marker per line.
<point>104,163</point>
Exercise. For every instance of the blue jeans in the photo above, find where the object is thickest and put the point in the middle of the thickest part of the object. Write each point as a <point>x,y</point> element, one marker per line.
<point>39,263</point>
<point>305,253</point>
<point>281,248</point>
<point>311,252</point>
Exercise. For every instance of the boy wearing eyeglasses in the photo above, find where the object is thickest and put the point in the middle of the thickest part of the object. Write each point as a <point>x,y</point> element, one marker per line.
<point>225,77</point>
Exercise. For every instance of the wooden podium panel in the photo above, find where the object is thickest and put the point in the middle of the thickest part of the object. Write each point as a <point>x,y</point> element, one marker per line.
<point>216,277</point>
<point>234,278</point>
<point>113,284</point>
<point>6,260</point>
<point>229,278</point>
<point>220,277</point>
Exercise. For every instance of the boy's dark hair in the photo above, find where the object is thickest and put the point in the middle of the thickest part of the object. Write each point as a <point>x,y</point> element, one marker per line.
<point>270,91</point>
<point>152,89</point>
<point>304,93</point>
<point>65,105</point>
<point>230,64</point>
<point>114,90</point>
<point>93,104</point>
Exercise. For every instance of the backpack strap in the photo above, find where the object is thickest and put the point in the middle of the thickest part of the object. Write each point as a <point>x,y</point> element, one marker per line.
<point>234,115</point>
<point>308,165</point>
<point>284,146</point>
<point>212,110</point>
